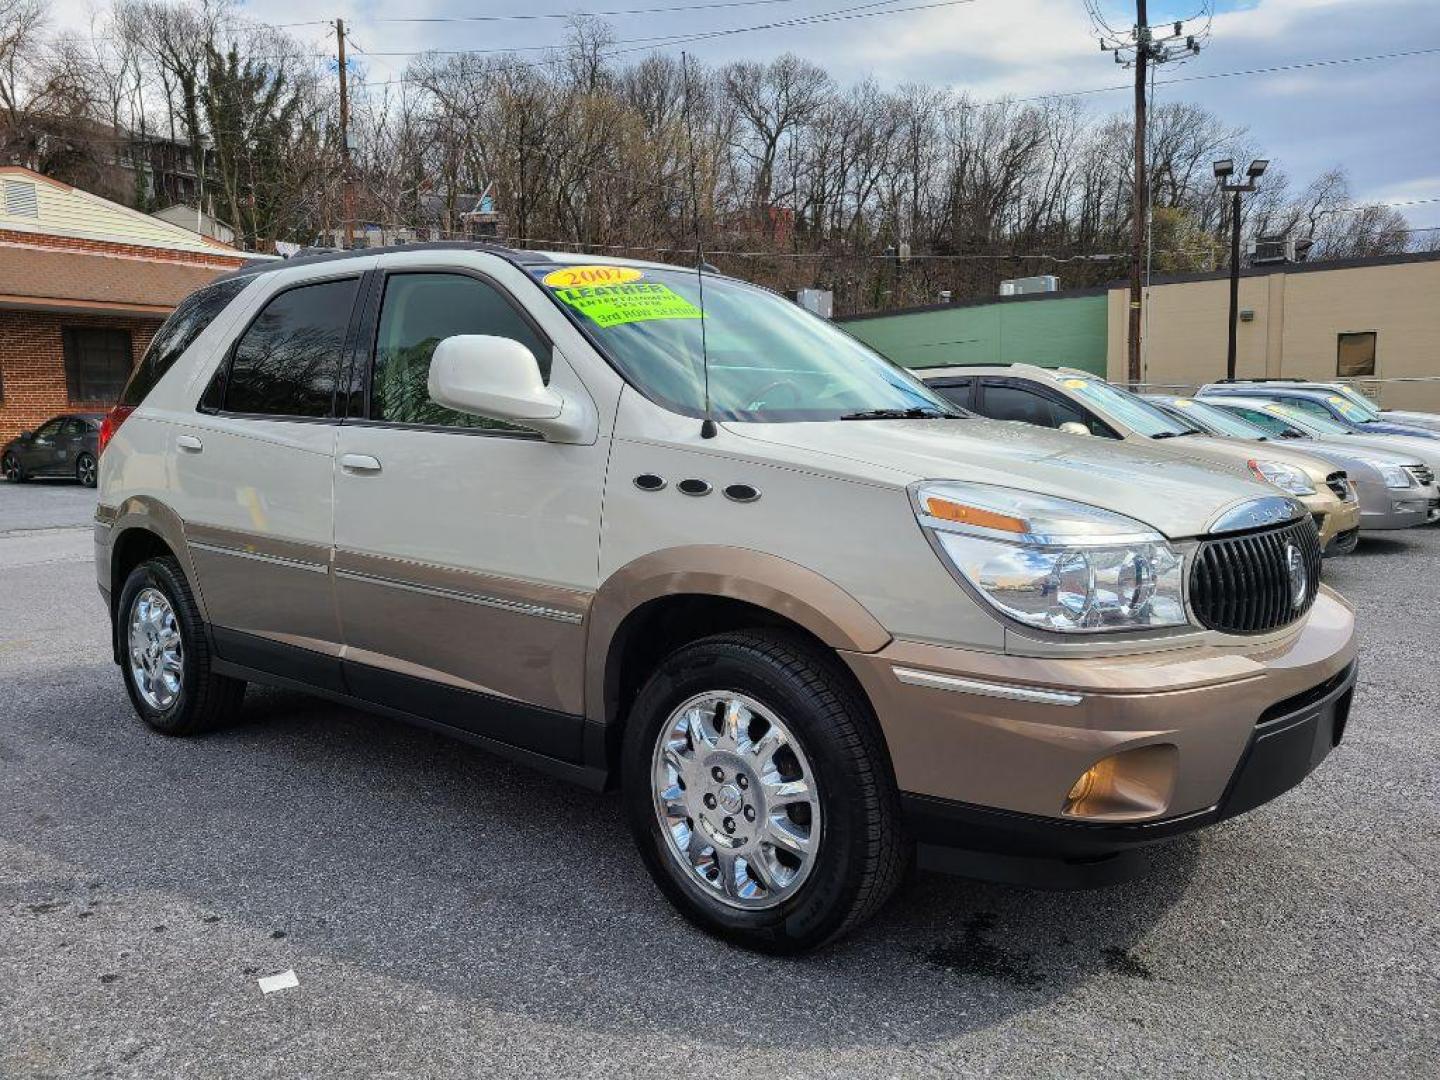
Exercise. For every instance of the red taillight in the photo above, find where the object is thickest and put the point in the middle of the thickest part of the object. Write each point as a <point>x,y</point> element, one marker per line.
<point>111,424</point>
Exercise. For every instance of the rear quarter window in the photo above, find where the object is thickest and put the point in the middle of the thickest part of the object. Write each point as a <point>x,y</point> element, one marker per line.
<point>186,323</point>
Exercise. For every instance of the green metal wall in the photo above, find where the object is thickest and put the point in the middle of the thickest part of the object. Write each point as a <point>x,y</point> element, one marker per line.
<point>1052,332</point>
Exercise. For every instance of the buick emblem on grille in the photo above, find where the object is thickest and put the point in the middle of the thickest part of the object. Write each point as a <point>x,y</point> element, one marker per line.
<point>1299,576</point>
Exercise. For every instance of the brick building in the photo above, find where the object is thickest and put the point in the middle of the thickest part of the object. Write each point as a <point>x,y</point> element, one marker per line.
<point>84,283</point>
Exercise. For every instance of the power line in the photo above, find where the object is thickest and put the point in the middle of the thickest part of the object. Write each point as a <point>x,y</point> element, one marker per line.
<point>613,13</point>
<point>858,11</point>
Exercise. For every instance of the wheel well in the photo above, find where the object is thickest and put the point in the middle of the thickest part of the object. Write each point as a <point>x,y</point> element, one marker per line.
<point>655,630</point>
<point>131,548</point>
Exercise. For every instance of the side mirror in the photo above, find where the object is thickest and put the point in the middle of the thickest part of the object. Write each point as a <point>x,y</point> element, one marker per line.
<point>1074,427</point>
<point>26,436</point>
<point>499,379</point>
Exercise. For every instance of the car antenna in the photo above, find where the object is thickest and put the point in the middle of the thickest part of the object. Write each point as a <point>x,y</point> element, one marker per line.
<point>708,428</point>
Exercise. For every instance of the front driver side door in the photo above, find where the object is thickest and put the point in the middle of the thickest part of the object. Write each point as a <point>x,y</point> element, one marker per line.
<point>465,549</point>
<point>41,455</point>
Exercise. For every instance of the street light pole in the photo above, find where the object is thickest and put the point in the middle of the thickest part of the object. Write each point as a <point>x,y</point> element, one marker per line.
<point>1234,282</point>
<point>1223,171</point>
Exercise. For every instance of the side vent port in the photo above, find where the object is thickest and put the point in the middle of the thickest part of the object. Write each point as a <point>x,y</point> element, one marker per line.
<point>694,487</point>
<point>742,493</point>
<point>649,482</point>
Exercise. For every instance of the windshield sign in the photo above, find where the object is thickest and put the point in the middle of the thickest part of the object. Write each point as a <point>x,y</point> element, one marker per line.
<point>768,359</point>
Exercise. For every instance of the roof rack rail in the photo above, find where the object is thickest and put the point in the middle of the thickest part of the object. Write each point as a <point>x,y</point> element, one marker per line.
<point>311,256</point>
<point>1218,382</point>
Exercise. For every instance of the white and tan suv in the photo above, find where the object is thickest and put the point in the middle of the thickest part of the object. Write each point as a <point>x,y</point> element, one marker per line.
<point>806,615</point>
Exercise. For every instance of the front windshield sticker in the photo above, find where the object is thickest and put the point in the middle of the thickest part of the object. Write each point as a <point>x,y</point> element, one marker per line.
<point>570,277</point>
<point>1075,384</point>
<point>1184,402</point>
<point>616,305</point>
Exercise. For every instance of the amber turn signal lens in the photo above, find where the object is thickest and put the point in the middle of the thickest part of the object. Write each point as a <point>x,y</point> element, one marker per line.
<point>946,510</point>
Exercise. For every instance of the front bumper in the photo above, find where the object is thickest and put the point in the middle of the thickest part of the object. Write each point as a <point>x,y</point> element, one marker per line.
<point>1383,509</point>
<point>986,763</point>
<point>1286,746</point>
<point>1332,516</point>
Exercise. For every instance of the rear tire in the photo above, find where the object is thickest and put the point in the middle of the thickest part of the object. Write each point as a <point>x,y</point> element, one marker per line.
<point>710,807</point>
<point>85,470</point>
<point>165,655</point>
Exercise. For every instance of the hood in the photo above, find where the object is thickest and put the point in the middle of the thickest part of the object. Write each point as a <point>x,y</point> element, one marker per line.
<point>1428,421</point>
<point>1176,496</point>
<point>1238,453</point>
<point>1384,427</point>
<point>1397,447</point>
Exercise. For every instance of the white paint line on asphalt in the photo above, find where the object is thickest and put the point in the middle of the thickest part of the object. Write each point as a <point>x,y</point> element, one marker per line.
<point>286,980</point>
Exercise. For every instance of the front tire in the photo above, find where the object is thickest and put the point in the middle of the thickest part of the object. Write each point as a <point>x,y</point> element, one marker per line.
<point>10,466</point>
<point>760,793</point>
<point>85,470</point>
<point>165,655</point>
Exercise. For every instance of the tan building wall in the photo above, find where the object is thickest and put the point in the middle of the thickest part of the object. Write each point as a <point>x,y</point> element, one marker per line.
<point>1294,334</point>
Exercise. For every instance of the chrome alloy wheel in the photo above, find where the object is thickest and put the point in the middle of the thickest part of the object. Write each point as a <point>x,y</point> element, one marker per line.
<point>85,470</point>
<point>737,800</point>
<point>156,657</point>
<point>11,467</point>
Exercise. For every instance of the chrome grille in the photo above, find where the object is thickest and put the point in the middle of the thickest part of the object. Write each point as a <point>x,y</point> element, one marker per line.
<point>1423,474</point>
<point>1339,484</point>
<point>1241,584</point>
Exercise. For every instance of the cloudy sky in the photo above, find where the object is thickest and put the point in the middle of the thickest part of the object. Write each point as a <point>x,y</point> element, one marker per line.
<point>1378,119</point>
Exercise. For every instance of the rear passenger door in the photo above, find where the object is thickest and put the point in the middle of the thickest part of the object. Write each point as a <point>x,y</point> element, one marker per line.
<point>466,549</point>
<point>254,471</point>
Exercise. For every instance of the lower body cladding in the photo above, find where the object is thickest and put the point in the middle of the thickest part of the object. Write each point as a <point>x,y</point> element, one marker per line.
<point>1057,771</point>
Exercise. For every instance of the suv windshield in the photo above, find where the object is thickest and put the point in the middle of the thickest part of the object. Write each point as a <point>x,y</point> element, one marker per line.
<point>1130,409</point>
<point>1360,401</point>
<point>769,360</point>
<point>1219,421</point>
<point>1307,422</point>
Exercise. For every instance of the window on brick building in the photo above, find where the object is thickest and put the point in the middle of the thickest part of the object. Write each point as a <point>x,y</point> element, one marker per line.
<point>97,363</point>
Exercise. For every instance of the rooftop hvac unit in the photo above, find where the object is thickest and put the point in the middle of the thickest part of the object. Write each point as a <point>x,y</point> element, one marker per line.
<point>1026,285</point>
<point>817,301</point>
<point>1267,250</point>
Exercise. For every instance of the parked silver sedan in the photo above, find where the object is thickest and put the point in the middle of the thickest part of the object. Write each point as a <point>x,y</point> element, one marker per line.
<point>1395,476</point>
<point>1428,420</point>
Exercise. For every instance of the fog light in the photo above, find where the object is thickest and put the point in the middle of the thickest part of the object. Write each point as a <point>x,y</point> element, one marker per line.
<point>1125,786</point>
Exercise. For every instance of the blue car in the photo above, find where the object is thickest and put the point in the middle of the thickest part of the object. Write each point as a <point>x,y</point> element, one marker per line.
<point>1318,402</point>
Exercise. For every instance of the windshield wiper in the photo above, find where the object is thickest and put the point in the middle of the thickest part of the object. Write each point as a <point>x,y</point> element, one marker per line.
<point>918,412</point>
<point>1173,434</point>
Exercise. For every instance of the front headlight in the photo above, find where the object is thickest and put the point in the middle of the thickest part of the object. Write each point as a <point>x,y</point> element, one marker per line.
<point>1290,478</point>
<point>1395,476</point>
<point>1052,563</point>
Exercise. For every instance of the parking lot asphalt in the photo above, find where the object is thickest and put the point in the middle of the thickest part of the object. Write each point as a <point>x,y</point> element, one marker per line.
<point>45,504</point>
<point>449,914</point>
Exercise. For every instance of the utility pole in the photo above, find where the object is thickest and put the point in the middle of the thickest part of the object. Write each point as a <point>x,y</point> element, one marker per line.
<point>1139,47</point>
<point>1141,191</point>
<point>347,190</point>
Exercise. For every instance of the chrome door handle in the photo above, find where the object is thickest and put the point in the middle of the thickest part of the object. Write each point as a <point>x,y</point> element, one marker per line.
<point>360,463</point>
<point>189,442</point>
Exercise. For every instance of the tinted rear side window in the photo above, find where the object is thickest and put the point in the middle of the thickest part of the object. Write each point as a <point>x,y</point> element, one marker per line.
<point>186,323</point>
<point>288,361</point>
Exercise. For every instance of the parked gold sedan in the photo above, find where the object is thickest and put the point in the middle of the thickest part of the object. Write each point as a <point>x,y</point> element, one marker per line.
<point>1086,404</point>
